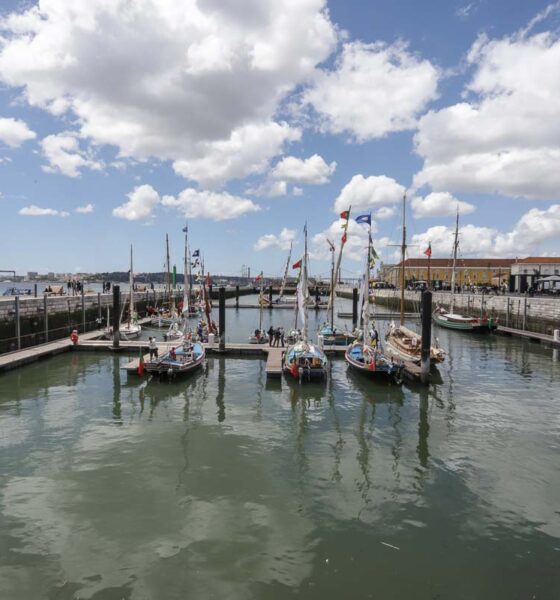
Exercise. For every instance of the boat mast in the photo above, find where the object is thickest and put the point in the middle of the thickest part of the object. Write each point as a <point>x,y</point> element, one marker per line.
<point>304,291</point>
<point>131,291</point>
<point>365,305</point>
<point>261,298</point>
<point>167,269</point>
<point>455,246</point>
<point>282,287</point>
<point>337,273</point>
<point>187,274</point>
<point>403,254</point>
<point>331,296</point>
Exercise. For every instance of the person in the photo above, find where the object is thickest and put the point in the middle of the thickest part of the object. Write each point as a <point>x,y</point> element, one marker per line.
<point>282,336</point>
<point>153,348</point>
<point>258,335</point>
<point>172,354</point>
<point>276,337</point>
<point>374,336</point>
<point>270,335</point>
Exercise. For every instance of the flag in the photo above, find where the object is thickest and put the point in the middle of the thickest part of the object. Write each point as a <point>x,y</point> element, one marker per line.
<point>364,219</point>
<point>185,229</point>
<point>345,214</point>
<point>196,253</point>
<point>297,265</point>
<point>344,237</point>
<point>141,364</point>
<point>294,370</point>
<point>372,255</point>
<point>258,278</point>
<point>428,250</point>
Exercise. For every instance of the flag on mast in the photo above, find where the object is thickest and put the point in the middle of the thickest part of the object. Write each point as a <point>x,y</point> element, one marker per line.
<point>428,250</point>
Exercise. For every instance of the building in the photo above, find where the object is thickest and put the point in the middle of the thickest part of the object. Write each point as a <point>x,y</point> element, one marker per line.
<point>468,271</point>
<point>525,272</point>
<point>31,275</point>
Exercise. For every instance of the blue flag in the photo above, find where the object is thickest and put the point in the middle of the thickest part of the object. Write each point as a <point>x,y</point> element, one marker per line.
<point>196,253</point>
<point>364,219</point>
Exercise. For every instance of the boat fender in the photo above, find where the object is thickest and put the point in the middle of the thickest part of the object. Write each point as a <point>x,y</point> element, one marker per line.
<point>74,336</point>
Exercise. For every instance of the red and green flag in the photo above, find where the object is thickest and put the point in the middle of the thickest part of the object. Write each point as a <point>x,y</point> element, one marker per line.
<point>297,265</point>
<point>345,214</point>
<point>428,250</point>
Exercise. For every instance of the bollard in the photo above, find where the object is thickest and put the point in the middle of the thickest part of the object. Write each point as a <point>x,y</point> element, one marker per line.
<point>46,313</point>
<point>236,296</point>
<point>18,323</point>
<point>354,307</point>
<point>426,335</point>
<point>222,317</point>
<point>99,306</point>
<point>116,315</point>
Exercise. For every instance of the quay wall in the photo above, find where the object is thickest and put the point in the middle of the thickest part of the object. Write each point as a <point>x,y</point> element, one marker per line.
<point>65,313</point>
<point>538,314</point>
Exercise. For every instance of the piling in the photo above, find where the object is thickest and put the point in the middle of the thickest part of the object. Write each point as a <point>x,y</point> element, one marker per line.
<point>46,313</point>
<point>35,290</point>
<point>99,306</point>
<point>116,315</point>
<point>83,311</point>
<point>18,324</point>
<point>222,317</point>
<point>354,307</point>
<point>482,305</point>
<point>524,313</point>
<point>236,296</point>
<point>426,335</point>
<point>270,295</point>
<point>508,306</point>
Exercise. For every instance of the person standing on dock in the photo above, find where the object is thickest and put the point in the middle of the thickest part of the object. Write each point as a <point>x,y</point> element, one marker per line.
<point>270,335</point>
<point>282,336</point>
<point>152,346</point>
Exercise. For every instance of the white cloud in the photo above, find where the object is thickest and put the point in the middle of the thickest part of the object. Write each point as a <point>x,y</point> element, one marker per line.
<point>246,152</point>
<point>282,241</point>
<point>440,204</point>
<point>140,205</point>
<point>218,206</point>
<point>375,89</point>
<point>533,228</point>
<point>65,156</point>
<point>13,132</point>
<point>269,189</point>
<point>84,210</point>
<point>179,81</point>
<point>36,211</point>
<point>506,139</point>
<point>313,170</point>
<point>297,191</point>
<point>369,192</point>
<point>385,212</point>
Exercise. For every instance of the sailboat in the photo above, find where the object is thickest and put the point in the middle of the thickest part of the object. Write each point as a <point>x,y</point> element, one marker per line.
<point>366,355</point>
<point>453,320</point>
<point>329,335</point>
<point>130,329</point>
<point>189,308</point>
<point>264,301</point>
<point>259,336</point>
<point>178,361</point>
<point>401,342</point>
<point>168,317</point>
<point>304,360</point>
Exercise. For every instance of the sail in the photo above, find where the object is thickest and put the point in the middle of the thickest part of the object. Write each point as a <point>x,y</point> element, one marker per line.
<point>285,279</point>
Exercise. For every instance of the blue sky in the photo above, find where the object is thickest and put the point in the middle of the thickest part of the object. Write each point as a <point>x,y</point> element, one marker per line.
<point>118,122</point>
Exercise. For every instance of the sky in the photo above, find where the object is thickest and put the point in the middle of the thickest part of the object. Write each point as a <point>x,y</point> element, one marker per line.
<point>122,120</point>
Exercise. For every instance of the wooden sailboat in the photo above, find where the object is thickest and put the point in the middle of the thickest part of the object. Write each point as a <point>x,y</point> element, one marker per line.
<point>329,335</point>
<point>403,343</point>
<point>304,360</point>
<point>189,308</point>
<point>366,355</point>
<point>182,360</point>
<point>452,320</point>
<point>168,317</point>
<point>259,336</point>
<point>131,329</point>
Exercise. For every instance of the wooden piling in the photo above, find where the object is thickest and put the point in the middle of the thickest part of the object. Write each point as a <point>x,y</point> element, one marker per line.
<point>236,296</point>
<point>46,314</point>
<point>354,307</point>
<point>83,310</point>
<point>116,315</point>
<point>18,323</point>
<point>426,335</point>
<point>222,317</point>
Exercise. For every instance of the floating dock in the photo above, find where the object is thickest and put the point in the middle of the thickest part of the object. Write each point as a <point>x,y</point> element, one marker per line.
<point>529,335</point>
<point>275,306</point>
<point>378,315</point>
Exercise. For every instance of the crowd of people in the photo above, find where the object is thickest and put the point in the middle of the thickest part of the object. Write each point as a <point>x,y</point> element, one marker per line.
<point>276,336</point>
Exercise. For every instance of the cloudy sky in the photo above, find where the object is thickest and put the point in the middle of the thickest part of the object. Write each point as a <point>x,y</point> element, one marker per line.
<point>121,119</point>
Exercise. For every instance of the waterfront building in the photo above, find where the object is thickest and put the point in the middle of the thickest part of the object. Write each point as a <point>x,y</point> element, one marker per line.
<point>525,272</point>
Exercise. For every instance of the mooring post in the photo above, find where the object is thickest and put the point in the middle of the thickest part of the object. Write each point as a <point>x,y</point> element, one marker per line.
<point>35,290</point>
<point>482,305</point>
<point>426,335</point>
<point>270,295</point>
<point>237,296</point>
<point>99,306</point>
<point>507,311</point>
<point>83,311</point>
<point>46,313</point>
<point>18,323</point>
<point>525,312</point>
<point>354,307</point>
<point>116,315</point>
<point>222,317</point>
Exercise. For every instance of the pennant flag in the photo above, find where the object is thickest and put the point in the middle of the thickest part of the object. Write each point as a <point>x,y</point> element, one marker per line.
<point>373,256</point>
<point>297,265</point>
<point>344,237</point>
<point>185,229</point>
<point>428,250</point>
<point>345,214</point>
<point>141,364</point>
<point>364,219</point>
<point>196,253</point>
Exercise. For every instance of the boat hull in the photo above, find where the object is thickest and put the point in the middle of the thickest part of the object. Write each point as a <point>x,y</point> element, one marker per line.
<point>305,362</point>
<point>408,347</point>
<point>471,325</point>
<point>167,367</point>
<point>379,369</point>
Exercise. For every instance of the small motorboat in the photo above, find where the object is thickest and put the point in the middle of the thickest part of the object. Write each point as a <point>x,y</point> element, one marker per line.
<point>259,336</point>
<point>371,360</point>
<point>178,361</point>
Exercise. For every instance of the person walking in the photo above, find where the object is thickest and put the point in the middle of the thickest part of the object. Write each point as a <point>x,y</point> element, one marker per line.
<point>270,335</point>
<point>152,346</point>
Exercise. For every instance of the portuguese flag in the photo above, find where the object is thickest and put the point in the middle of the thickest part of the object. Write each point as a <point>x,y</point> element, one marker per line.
<point>297,265</point>
<point>345,214</point>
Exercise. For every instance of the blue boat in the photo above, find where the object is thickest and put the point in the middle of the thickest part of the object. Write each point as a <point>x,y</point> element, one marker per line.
<point>369,359</point>
<point>178,361</point>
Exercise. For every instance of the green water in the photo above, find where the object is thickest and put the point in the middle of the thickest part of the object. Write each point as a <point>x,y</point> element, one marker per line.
<point>223,486</point>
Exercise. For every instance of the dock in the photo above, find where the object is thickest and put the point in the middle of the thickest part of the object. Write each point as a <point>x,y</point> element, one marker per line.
<point>378,315</point>
<point>274,362</point>
<point>275,306</point>
<point>529,335</point>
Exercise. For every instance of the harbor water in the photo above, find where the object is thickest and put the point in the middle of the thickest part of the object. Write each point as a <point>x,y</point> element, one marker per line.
<point>222,485</point>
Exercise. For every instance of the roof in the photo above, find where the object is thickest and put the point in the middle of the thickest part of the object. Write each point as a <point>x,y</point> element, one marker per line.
<point>461,262</point>
<point>540,260</point>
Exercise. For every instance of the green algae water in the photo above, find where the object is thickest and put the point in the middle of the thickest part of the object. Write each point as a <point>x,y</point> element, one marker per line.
<point>225,486</point>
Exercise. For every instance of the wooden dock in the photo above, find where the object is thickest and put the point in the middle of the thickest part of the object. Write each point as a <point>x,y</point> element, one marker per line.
<point>530,335</point>
<point>275,306</point>
<point>378,315</point>
<point>274,362</point>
